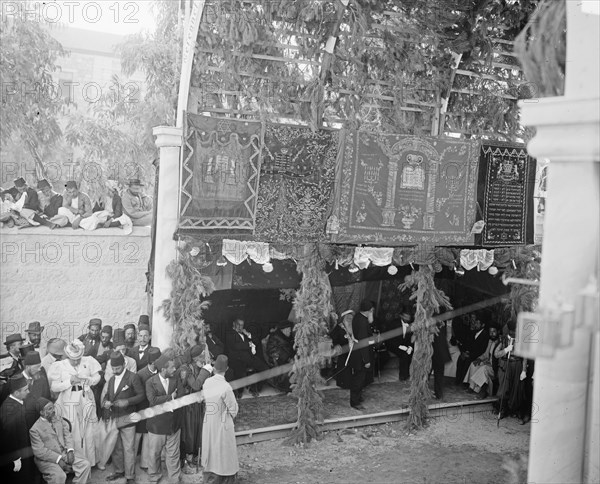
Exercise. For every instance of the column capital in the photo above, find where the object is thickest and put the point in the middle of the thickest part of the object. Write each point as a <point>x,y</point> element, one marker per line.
<point>168,136</point>
<point>568,129</point>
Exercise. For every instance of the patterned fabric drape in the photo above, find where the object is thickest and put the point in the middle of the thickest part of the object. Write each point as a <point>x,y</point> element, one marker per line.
<point>397,190</point>
<point>505,192</point>
<point>221,160</point>
<point>297,174</point>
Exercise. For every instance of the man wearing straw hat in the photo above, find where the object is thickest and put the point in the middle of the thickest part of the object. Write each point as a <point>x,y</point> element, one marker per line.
<point>72,379</point>
<point>219,451</point>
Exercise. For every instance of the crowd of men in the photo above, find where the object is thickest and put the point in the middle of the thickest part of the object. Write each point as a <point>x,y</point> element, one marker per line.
<point>486,363</point>
<point>56,398</point>
<point>24,206</point>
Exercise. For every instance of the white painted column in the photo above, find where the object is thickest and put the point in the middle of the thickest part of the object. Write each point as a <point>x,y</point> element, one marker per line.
<point>567,134</point>
<point>169,141</point>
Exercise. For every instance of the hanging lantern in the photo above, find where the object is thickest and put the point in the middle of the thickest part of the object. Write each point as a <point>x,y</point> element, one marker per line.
<point>195,251</point>
<point>392,270</point>
<point>353,268</point>
<point>493,270</point>
<point>267,267</point>
<point>221,261</point>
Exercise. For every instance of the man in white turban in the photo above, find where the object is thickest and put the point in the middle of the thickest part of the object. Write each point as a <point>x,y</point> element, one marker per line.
<point>108,212</point>
<point>72,378</point>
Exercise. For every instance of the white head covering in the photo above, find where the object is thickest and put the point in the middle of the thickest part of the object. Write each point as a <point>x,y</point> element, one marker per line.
<point>74,350</point>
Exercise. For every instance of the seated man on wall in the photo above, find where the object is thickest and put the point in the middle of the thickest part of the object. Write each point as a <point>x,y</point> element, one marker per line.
<point>279,350</point>
<point>76,206</point>
<point>108,212</point>
<point>50,202</point>
<point>242,355</point>
<point>26,203</point>
<point>137,205</point>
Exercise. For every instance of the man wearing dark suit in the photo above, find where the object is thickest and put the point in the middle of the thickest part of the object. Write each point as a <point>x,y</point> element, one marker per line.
<point>405,348</point>
<point>91,340</point>
<point>215,346</point>
<point>16,462</point>
<point>11,363</point>
<point>476,347</point>
<point>242,353</point>
<point>441,356</point>
<point>140,352</point>
<point>38,386</point>
<point>53,449</point>
<point>124,393</point>
<point>360,359</point>
<point>163,430</point>
<point>141,428</point>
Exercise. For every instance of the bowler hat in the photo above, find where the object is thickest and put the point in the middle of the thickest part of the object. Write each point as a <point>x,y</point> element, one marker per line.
<point>32,358</point>
<point>71,184</point>
<point>43,183</point>
<point>35,327</point>
<point>221,363</point>
<point>13,338</point>
<point>20,182</point>
<point>16,382</point>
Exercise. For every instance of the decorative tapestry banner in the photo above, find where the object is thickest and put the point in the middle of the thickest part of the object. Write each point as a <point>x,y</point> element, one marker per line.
<point>506,187</point>
<point>220,173</point>
<point>398,189</point>
<point>296,183</point>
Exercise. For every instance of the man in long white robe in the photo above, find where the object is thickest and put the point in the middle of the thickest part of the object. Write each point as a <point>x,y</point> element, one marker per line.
<point>219,451</point>
<point>480,375</point>
<point>72,379</point>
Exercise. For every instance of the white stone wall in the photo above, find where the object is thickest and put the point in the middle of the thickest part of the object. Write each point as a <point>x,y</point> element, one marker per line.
<point>63,278</point>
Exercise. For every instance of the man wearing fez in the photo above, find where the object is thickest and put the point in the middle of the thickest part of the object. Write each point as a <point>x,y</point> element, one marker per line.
<point>50,202</point>
<point>16,463</point>
<point>136,204</point>
<point>140,352</point>
<point>72,379</point>
<point>130,335</point>
<point>53,449</point>
<point>55,351</point>
<point>76,206</point>
<point>124,393</point>
<point>91,340</point>
<point>192,376</point>
<point>219,450</point>
<point>163,430</point>
<point>120,345</point>
<point>37,379</point>
<point>141,428</point>
<point>360,358</point>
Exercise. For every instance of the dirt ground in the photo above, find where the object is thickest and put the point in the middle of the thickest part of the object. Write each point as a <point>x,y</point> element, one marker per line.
<point>460,450</point>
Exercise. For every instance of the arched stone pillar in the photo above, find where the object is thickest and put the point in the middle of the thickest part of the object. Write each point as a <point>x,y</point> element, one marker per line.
<point>568,135</point>
<point>169,141</point>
